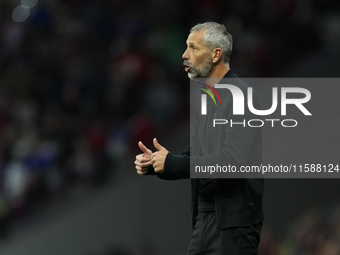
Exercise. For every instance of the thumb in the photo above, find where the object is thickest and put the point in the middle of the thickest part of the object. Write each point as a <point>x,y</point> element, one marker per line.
<point>144,149</point>
<point>157,145</point>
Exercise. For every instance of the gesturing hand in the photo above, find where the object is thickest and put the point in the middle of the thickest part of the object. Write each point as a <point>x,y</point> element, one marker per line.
<point>158,157</point>
<point>143,161</point>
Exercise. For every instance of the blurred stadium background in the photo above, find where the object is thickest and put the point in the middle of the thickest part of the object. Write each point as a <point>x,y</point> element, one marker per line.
<point>81,82</point>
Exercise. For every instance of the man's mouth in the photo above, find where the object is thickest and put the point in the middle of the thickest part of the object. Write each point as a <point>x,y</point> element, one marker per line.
<point>186,67</point>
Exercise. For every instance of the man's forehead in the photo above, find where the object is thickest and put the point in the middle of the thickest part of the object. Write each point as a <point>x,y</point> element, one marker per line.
<point>196,37</point>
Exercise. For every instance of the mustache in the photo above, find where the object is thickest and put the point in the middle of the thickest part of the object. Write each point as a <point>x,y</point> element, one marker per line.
<point>185,62</point>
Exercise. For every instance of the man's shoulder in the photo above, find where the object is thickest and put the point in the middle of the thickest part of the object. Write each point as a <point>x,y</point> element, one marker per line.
<point>233,78</point>
<point>230,74</point>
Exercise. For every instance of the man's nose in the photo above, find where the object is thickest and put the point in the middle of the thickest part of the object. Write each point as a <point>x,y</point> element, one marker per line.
<point>185,55</point>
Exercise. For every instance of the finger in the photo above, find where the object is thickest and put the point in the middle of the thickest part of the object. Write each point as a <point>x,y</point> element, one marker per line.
<point>141,172</point>
<point>144,149</point>
<point>157,169</point>
<point>143,165</point>
<point>142,169</point>
<point>139,168</point>
<point>144,160</point>
<point>141,159</point>
<point>157,145</point>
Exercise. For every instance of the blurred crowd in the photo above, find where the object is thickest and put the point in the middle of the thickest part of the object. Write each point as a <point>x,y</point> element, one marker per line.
<point>78,81</point>
<point>314,232</point>
<point>81,82</point>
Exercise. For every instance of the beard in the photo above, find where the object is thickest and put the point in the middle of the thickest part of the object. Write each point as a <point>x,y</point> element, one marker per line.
<point>203,72</point>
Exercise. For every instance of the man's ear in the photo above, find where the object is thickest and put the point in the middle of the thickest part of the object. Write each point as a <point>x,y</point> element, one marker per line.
<point>216,55</point>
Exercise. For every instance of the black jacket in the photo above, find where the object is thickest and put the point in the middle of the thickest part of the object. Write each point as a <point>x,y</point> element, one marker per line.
<point>238,202</point>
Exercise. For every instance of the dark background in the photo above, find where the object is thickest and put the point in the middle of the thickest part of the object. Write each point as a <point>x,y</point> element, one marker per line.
<point>81,82</point>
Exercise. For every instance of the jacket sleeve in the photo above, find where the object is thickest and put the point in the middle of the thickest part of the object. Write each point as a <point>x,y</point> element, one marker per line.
<point>175,167</point>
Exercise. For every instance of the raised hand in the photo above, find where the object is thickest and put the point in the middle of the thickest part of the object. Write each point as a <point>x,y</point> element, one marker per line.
<point>158,157</point>
<point>143,161</point>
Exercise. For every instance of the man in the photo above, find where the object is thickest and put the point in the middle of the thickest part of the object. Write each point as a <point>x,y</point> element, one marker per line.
<point>227,213</point>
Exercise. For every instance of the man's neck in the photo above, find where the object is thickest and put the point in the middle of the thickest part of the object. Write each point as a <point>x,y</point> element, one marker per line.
<point>220,70</point>
<point>218,73</point>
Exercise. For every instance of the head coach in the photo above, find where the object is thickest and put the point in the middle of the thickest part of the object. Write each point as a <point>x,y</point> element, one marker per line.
<point>227,213</point>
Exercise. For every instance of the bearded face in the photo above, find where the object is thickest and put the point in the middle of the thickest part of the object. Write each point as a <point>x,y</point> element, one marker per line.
<point>197,59</point>
<point>201,70</point>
